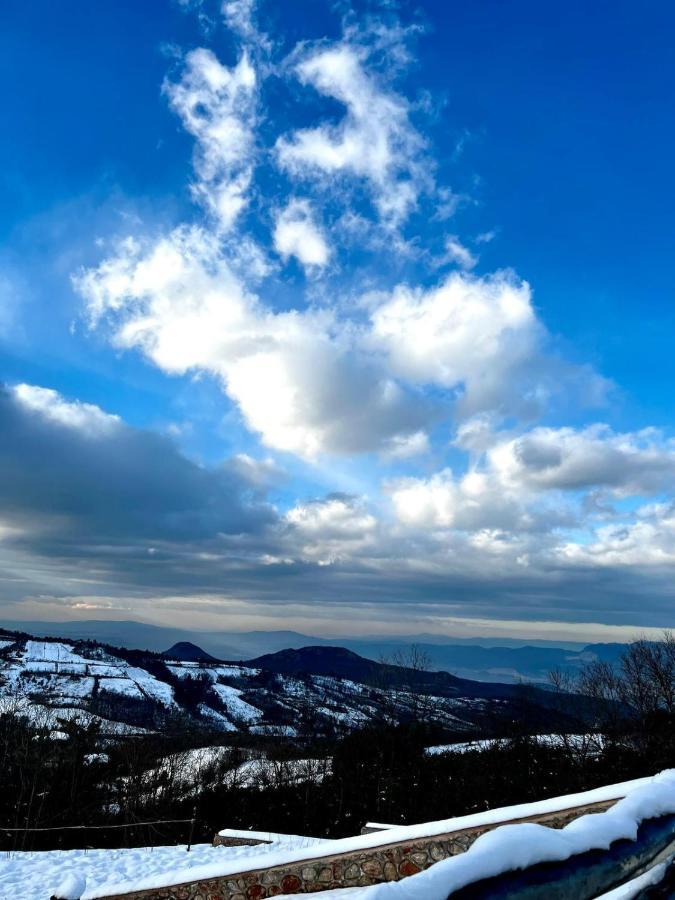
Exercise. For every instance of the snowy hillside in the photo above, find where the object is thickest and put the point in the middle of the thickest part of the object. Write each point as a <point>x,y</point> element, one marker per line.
<point>132,692</point>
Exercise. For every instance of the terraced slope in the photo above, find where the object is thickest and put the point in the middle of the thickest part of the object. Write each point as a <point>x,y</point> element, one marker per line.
<point>290,694</point>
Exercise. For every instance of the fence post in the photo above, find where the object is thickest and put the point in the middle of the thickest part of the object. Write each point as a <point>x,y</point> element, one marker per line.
<point>192,827</point>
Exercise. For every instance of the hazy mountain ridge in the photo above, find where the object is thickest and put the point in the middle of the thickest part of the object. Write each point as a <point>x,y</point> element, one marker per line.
<point>310,692</point>
<point>481,659</point>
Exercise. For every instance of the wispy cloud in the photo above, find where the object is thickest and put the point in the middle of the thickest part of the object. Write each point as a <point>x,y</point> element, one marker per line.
<point>441,396</point>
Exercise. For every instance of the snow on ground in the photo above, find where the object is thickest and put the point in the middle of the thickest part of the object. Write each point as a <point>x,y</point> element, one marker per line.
<point>49,716</point>
<point>187,772</point>
<point>197,670</point>
<point>60,686</point>
<point>523,844</point>
<point>104,670</point>
<point>137,683</point>
<point>184,773</point>
<point>262,772</point>
<point>217,718</point>
<point>51,651</point>
<point>577,741</point>
<point>43,673</point>
<point>151,686</point>
<point>191,764</point>
<point>274,730</point>
<point>35,876</point>
<point>350,717</point>
<point>236,707</point>
<point>124,686</point>
<point>190,670</point>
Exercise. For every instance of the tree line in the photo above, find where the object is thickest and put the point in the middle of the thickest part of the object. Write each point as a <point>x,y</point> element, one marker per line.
<point>327,785</point>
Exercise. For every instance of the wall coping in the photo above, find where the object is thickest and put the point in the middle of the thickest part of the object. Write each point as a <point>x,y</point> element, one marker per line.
<point>585,801</point>
<point>270,874</point>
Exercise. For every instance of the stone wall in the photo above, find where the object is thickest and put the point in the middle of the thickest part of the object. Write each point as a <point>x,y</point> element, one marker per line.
<point>221,840</point>
<point>387,862</point>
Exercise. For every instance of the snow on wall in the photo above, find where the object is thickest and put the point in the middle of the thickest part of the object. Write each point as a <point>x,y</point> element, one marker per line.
<point>660,794</point>
<point>521,846</point>
<point>635,886</point>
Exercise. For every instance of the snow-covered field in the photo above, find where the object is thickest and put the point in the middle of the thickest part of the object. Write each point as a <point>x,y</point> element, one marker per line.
<point>53,680</point>
<point>36,876</point>
<point>91,678</point>
<point>48,680</point>
<point>574,741</point>
<point>239,709</point>
<point>191,771</point>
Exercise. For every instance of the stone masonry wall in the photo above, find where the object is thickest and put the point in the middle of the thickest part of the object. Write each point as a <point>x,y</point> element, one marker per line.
<point>387,862</point>
<point>225,841</point>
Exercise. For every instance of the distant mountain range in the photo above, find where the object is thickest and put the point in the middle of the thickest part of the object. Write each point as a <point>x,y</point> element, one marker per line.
<point>482,659</point>
<point>297,693</point>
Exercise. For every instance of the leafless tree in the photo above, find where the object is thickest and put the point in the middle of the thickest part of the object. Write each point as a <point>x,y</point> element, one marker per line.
<point>628,697</point>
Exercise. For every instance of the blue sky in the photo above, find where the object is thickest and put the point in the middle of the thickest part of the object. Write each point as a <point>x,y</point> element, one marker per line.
<point>378,293</point>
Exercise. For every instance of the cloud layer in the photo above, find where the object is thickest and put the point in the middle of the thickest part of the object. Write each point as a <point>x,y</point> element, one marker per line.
<point>421,398</point>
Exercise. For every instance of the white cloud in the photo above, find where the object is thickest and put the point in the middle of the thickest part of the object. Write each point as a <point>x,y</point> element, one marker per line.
<point>477,434</point>
<point>87,418</point>
<point>297,377</point>
<point>630,464</point>
<point>330,378</point>
<point>327,531</point>
<point>486,237</point>
<point>297,234</point>
<point>405,446</point>
<point>347,366</point>
<point>312,381</point>
<point>470,334</point>
<point>375,141</point>
<point>648,540</point>
<point>217,105</point>
<point>534,480</point>
<point>456,252</point>
<point>238,15</point>
<point>475,501</point>
<point>543,483</point>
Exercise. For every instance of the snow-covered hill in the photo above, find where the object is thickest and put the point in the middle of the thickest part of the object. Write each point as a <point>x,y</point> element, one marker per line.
<point>132,692</point>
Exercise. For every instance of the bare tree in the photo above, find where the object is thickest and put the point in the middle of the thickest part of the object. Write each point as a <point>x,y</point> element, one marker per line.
<point>628,699</point>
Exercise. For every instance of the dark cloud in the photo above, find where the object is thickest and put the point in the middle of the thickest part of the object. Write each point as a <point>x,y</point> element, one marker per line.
<point>79,484</point>
<point>92,507</point>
